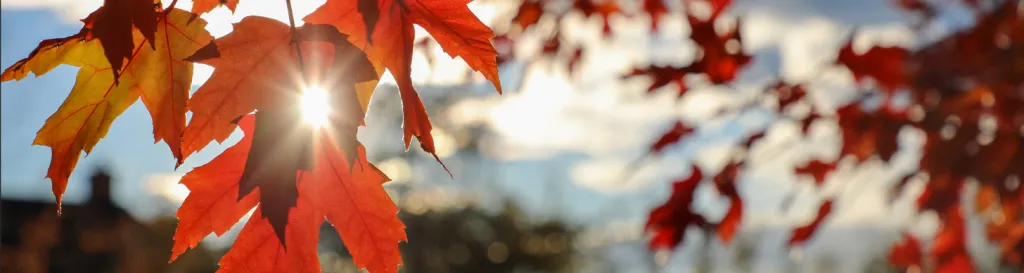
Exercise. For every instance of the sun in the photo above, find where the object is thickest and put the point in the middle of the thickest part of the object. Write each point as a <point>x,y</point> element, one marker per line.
<point>314,106</point>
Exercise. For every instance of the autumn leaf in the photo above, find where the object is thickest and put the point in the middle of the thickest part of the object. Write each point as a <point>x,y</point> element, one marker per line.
<point>351,199</point>
<point>239,80</point>
<point>112,24</point>
<point>257,249</point>
<point>672,136</point>
<point>212,205</point>
<point>158,76</point>
<point>817,169</point>
<point>883,64</point>
<point>866,134</point>
<point>203,6</point>
<point>725,183</point>
<point>529,14</point>
<point>906,253</point>
<point>669,221</point>
<point>357,205</point>
<point>664,75</point>
<point>803,233</point>
<point>281,145</point>
<point>449,22</point>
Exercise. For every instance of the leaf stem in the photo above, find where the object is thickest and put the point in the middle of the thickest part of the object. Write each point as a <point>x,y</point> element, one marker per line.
<point>295,40</point>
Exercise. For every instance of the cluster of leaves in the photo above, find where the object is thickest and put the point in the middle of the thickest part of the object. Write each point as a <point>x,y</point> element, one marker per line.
<point>294,175</point>
<point>966,96</point>
<point>964,93</point>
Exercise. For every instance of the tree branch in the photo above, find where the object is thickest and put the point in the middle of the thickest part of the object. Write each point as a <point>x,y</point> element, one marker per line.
<point>295,40</point>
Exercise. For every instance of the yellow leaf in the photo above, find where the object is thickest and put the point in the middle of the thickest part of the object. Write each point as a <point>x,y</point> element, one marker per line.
<point>96,100</point>
<point>166,85</point>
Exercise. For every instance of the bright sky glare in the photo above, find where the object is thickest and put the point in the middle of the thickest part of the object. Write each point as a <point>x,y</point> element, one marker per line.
<point>315,106</point>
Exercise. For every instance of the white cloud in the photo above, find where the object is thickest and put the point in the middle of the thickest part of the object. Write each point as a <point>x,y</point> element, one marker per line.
<point>70,10</point>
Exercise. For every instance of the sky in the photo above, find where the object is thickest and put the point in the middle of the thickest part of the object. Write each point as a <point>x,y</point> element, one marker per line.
<point>547,127</point>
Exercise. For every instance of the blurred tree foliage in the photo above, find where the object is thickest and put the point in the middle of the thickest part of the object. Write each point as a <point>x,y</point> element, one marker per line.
<point>471,240</point>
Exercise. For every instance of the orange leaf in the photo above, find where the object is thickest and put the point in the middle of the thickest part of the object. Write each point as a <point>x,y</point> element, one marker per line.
<point>254,60</point>
<point>906,253</point>
<point>730,224</point>
<point>449,22</point>
<point>257,249</point>
<point>213,204</point>
<point>203,6</point>
<point>359,208</point>
<point>97,98</point>
<point>529,14</point>
<point>354,201</point>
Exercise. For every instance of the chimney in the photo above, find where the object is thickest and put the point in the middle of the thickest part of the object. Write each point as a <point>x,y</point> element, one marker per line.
<point>100,182</point>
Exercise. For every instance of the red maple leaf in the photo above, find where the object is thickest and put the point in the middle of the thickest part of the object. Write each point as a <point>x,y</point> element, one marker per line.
<point>725,183</point>
<point>817,169</point>
<point>529,14</point>
<point>906,253</point>
<point>803,233</point>
<point>672,136</point>
<point>669,221</point>
<point>384,29</point>
<point>883,64</point>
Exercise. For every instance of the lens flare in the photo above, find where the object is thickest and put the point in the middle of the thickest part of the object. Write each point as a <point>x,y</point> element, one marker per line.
<point>314,106</point>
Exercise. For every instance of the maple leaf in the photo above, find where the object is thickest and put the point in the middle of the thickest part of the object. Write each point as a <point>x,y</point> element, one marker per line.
<point>664,75</point>
<point>239,79</point>
<point>449,22</point>
<point>670,220</point>
<point>282,146</point>
<point>352,199</point>
<point>112,25</point>
<point>817,169</point>
<point>906,253</point>
<point>730,223</point>
<point>158,76</point>
<point>672,136</point>
<point>884,64</point>
<point>203,6</point>
<point>803,233</point>
<point>212,205</point>
<point>529,14</point>
<point>725,183</point>
<point>865,134</point>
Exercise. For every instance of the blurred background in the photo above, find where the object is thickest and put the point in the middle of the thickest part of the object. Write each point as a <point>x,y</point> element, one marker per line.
<point>545,176</point>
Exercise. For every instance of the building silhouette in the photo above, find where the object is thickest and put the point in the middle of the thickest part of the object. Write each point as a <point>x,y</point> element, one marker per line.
<point>97,236</point>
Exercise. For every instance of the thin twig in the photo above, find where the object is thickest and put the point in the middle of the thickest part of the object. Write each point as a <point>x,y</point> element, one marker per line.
<point>295,40</point>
